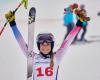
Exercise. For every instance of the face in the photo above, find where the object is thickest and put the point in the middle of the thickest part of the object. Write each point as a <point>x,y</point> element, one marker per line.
<point>45,47</point>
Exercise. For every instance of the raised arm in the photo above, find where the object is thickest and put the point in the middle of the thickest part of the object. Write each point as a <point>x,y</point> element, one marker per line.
<point>19,38</point>
<point>11,18</point>
<point>66,43</point>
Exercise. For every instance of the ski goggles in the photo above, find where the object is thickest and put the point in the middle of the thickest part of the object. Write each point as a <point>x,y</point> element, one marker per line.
<point>45,38</point>
<point>42,41</point>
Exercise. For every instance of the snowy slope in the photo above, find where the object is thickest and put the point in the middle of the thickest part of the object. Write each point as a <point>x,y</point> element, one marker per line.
<point>81,62</point>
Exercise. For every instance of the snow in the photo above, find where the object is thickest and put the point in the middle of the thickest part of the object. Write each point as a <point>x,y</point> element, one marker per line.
<point>81,62</point>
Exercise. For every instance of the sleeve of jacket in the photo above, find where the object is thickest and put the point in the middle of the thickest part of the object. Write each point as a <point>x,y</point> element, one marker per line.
<point>66,43</point>
<point>19,38</point>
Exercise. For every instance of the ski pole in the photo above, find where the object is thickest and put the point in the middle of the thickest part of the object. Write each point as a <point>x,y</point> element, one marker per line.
<point>25,2</point>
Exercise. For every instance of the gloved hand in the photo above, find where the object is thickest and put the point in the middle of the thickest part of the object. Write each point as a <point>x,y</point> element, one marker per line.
<point>10,16</point>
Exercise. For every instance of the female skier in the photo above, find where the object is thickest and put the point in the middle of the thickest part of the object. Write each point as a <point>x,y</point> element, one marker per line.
<point>45,64</point>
